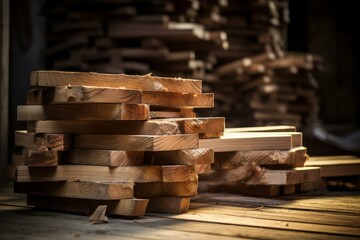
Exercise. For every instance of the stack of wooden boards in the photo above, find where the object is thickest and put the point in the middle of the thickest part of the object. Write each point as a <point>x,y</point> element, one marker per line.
<point>259,161</point>
<point>90,141</point>
<point>268,90</point>
<point>133,37</point>
<point>338,171</point>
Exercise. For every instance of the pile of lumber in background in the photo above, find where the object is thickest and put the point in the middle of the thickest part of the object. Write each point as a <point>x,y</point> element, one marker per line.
<point>266,90</point>
<point>339,172</point>
<point>91,140</point>
<point>260,161</point>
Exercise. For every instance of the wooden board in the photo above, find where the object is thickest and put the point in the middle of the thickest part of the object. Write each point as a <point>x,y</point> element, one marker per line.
<point>123,207</point>
<point>182,157</point>
<point>263,129</point>
<point>165,189</point>
<point>82,94</point>
<point>55,142</point>
<point>199,125</point>
<point>171,99</point>
<point>203,168</point>
<point>111,158</point>
<point>35,158</point>
<point>96,174</point>
<point>336,166</point>
<point>152,127</point>
<point>294,157</point>
<point>82,190</point>
<point>91,111</point>
<point>145,82</point>
<point>171,205</point>
<point>137,142</point>
<point>247,141</point>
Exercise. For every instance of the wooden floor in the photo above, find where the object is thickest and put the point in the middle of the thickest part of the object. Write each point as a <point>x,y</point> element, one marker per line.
<point>320,215</point>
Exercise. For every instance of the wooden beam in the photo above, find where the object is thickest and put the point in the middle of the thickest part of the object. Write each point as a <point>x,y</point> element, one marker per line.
<point>294,157</point>
<point>144,83</point>
<point>96,174</point>
<point>173,173</point>
<point>247,141</point>
<point>123,207</point>
<point>336,166</point>
<point>263,129</point>
<point>203,168</point>
<point>111,158</point>
<point>160,189</point>
<point>152,127</point>
<point>81,94</point>
<point>137,142</point>
<point>55,142</point>
<point>36,158</point>
<point>172,99</point>
<point>183,157</point>
<point>91,111</point>
<point>173,205</point>
<point>199,125</point>
<point>83,190</point>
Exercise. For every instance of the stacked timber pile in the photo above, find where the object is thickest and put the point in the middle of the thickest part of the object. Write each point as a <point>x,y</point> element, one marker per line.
<point>339,172</point>
<point>90,142</point>
<point>259,161</point>
<point>268,90</point>
<point>133,37</point>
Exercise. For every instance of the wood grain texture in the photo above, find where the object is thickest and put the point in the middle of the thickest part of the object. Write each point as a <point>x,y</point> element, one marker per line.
<point>144,83</point>
<point>48,158</point>
<point>173,113</point>
<point>82,94</point>
<point>171,205</point>
<point>165,189</point>
<point>137,142</point>
<point>247,141</point>
<point>111,158</point>
<point>281,128</point>
<point>203,168</point>
<point>183,157</point>
<point>55,142</point>
<point>83,190</point>
<point>173,99</point>
<point>98,174</point>
<point>91,111</point>
<point>123,207</point>
<point>294,157</point>
<point>200,125</point>
<point>105,127</point>
<point>336,166</point>
<point>175,173</point>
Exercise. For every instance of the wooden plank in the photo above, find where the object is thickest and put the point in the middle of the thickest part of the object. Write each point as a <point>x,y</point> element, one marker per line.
<point>36,158</point>
<point>172,205</point>
<point>82,94</point>
<point>165,189</point>
<point>152,127</point>
<point>199,125</point>
<point>123,207</point>
<point>294,157</point>
<point>137,142</point>
<point>173,99</point>
<point>336,166</point>
<point>247,141</point>
<point>183,157</point>
<point>211,135</point>
<point>173,173</point>
<point>263,129</point>
<point>109,158</point>
<point>144,83</point>
<point>172,114</point>
<point>55,142</point>
<point>91,111</point>
<point>95,174</point>
<point>203,168</point>
<point>75,189</point>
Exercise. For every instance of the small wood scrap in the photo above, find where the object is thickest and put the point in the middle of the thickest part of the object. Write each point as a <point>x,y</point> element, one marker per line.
<point>91,146</point>
<point>338,172</point>
<point>274,167</point>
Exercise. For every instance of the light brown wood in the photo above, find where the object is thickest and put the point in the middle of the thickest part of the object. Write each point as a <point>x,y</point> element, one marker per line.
<point>294,157</point>
<point>55,142</point>
<point>211,135</point>
<point>137,142</point>
<point>263,129</point>
<point>77,189</point>
<point>160,189</point>
<point>171,205</point>
<point>109,158</point>
<point>82,94</point>
<point>203,168</point>
<point>91,111</point>
<point>336,166</point>
<point>39,158</point>
<point>175,173</point>
<point>183,157</point>
<point>173,99</point>
<point>247,141</point>
<point>123,207</point>
<point>99,215</point>
<point>152,127</point>
<point>200,125</point>
<point>145,82</point>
